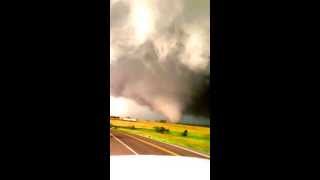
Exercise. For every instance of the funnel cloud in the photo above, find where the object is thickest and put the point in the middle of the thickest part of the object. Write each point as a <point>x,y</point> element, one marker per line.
<point>160,55</point>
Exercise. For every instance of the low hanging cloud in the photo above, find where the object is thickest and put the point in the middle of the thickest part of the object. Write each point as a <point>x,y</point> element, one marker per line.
<point>160,55</point>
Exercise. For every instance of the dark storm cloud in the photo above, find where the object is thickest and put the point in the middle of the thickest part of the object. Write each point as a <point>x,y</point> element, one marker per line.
<point>168,71</point>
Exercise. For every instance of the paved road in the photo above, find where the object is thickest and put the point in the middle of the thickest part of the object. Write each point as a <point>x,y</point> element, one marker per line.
<point>127,144</point>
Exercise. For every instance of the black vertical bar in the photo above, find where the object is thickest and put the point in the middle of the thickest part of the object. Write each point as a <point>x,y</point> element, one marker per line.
<point>102,83</point>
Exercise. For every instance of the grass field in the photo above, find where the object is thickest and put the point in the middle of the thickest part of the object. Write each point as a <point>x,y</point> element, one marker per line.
<point>198,137</point>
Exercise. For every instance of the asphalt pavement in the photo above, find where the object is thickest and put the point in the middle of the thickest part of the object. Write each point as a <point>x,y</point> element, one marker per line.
<point>128,144</point>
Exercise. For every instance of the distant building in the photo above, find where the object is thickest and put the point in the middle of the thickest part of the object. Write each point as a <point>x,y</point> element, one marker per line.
<point>129,119</point>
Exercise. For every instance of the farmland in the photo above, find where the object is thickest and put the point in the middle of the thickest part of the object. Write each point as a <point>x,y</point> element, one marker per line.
<point>193,137</point>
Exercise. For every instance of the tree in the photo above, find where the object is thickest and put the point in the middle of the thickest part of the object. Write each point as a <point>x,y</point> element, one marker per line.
<point>185,133</point>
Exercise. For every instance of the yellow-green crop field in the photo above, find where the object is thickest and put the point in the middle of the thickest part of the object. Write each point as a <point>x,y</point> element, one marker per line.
<point>197,139</point>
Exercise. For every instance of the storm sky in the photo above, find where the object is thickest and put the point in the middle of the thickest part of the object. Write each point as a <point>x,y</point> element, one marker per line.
<point>160,59</point>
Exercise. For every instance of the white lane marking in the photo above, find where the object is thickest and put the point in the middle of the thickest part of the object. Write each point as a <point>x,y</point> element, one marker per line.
<point>189,150</point>
<point>154,145</point>
<point>195,152</point>
<point>124,144</point>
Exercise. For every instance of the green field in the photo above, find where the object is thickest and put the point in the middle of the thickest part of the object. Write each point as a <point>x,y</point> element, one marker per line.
<point>197,139</point>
